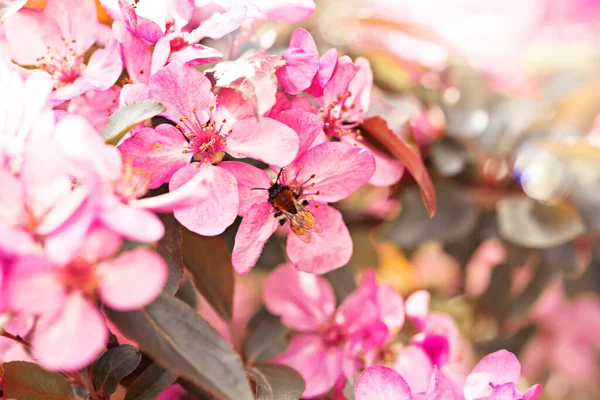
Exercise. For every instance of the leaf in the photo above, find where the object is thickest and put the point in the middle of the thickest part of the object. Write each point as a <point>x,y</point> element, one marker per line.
<point>456,217</point>
<point>253,77</point>
<point>114,365</point>
<point>129,116</point>
<point>524,221</point>
<point>377,128</point>
<point>277,382</point>
<point>169,248</point>
<point>9,7</point>
<point>209,261</point>
<point>150,383</point>
<point>266,341</point>
<point>183,342</point>
<point>187,293</point>
<point>28,381</point>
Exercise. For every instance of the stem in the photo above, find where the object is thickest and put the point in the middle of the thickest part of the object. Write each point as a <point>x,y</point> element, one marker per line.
<point>16,338</point>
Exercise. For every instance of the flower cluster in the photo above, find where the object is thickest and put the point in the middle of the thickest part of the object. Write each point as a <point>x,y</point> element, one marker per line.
<point>171,108</point>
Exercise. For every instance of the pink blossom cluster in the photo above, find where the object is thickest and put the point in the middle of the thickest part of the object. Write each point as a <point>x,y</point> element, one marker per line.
<point>78,214</point>
<point>331,345</point>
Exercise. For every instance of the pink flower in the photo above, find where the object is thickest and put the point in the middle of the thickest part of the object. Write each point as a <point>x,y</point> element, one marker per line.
<point>382,383</point>
<point>325,350</point>
<point>96,107</point>
<point>71,331</point>
<point>208,126</point>
<point>496,377</point>
<point>280,10</point>
<point>302,62</point>
<point>165,24</point>
<point>24,113</point>
<point>567,338</point>
<point>57,40</point>
<point>325,173</point>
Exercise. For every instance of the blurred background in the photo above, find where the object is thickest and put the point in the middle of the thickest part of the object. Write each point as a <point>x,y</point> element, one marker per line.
<point>502,98</point>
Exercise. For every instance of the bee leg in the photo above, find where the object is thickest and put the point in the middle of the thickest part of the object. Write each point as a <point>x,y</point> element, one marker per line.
<point>281,218</point>
<point>304,202</point>
<point>281,221</point>
<point>277,214</point>
<point>300,191</point>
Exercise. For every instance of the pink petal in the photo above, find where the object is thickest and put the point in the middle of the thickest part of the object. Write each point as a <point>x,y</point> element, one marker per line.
<point>437,347</point>
<point>417,307</point>
<point>249,136</point>
<point>158,151</point>
<point>196,54</point>
<point>415,367</point>
<point>132,280</point>
<point>439,388</point>
<point>232,107</point>
<point>306,124</point>
<point>319,365</point>
<point>219,25</point>
<point>256,228</point>
<point>248,177</point>
<point>381,383</point>
<point>136,53</point>
<point>391,307</point>
<point>303,301</point>
<point>72,339</point>
<point>302,62</point>
<point>143,28</point>
<point>388,170</point>
<point>327,65</point>
<point>339,168</point>
<point>100,243</point>
<point>34,28</point>
<point>182,89</point>
<point>133,92</point>
<point>533,392</point>
<point>343,74</point>
<point>494,369</point>
<point>96,107</point>
<point>361,85</point>
<point>213,215</point>
<point>160,54</point>
<point>328,250</point>
<point>288,10</point>
<point>102,71</point>
<point>34,286</point>
<point>479,269</point>
<point>77,20</point>
<point>11,198</point>
<point>133,223</point>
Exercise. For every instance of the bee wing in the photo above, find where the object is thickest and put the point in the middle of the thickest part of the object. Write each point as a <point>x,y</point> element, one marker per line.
<point>316,225</point>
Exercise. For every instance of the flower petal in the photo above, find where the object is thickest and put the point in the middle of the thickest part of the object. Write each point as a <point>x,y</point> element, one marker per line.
<point>327,250</point>
<point>494,369</point>
<point>34,28</point>
<point>303,301</point>
<point>196,54</point>
<point>158,151</point>
<point>132,280</point>
<point>415,367</point>
<point>133,223</point>
<point>34,286</point>
<point>339,169</point>
<point>11,198</point>
<point>343,74</point>
<point>302,62</point>
<point>217,211</point>
<point>248,177</point>
<point>319,365</point>
<point>256,228</point>
<point>72,339</point>
<point>327,66</point>
<point>219,24</point>
<point>439,388</point>
<point>77,20</point>
<point>417,307</point>
<point>136,53</point>
<point>306,124</point>
<point>381,383</point>
<point>265,139</point>
<point>182,89</point>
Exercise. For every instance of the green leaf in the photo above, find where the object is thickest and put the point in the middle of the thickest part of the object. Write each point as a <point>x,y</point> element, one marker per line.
<point>114,365</point>
<point>150,383</point>
<point>183,342</point>
<point>209,261</point>
<point>267,340</point>
<point>129,116</point>
<point>28,381</point>
<point>276,382</point>
<point>187,293</point>
<point>169,248</point>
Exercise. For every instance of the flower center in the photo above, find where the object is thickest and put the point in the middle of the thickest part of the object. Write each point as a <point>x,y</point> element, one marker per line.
<point>177,39</point>
<point>304,188</point>
<point>65,65</point>
<point>334,335</point>
<point>79,275</point>
<point>341,119</point>
<point>206,141</point>
<point>132,184</point>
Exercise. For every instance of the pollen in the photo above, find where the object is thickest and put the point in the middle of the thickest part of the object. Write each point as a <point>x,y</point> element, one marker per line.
<point>65,64</point>
<point>341,118</point>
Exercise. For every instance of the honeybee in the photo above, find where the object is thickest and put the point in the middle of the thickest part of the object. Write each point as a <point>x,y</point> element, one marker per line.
<point>288,208</point>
